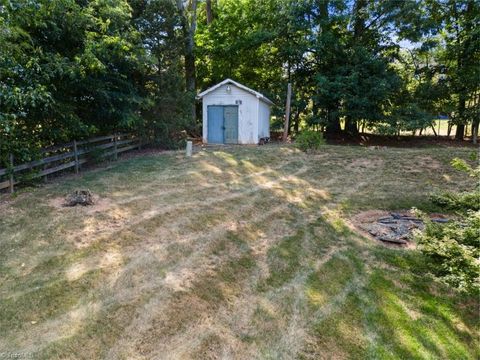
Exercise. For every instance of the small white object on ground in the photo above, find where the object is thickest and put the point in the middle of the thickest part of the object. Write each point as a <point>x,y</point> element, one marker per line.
<point>189,149</point>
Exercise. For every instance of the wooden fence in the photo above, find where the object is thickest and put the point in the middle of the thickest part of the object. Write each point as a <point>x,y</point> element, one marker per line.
<point>67,156</point>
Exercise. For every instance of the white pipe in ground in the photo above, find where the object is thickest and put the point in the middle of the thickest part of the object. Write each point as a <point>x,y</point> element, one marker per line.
<point>188,151</point>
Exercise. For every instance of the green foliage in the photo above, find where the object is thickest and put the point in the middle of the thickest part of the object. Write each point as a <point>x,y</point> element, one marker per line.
<point>304,42</point>
<point>309,140</point>
<point>455,201</point>
<point>461,165</point>
<point>96,155</point>
<point>405,116</point>
<point>248,41</point>
<point>453,249</point>
<point>341,59</point>
<point>460,55</point>
<point>468,200</point>
<point>71,69</point>
<point>67,70</point>
<point>166,117</point>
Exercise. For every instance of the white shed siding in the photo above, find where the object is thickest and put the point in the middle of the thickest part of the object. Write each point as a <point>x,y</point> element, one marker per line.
<point>263,120</point>
<point>247,111</point>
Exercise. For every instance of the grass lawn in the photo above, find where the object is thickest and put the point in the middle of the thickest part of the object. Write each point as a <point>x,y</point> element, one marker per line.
<point>240,253</point>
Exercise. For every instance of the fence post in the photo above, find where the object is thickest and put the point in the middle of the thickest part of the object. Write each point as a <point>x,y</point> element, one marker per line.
<point>11,173</point>
<point>115,154</point>
<point>75,153</point>
<point>45,178</point>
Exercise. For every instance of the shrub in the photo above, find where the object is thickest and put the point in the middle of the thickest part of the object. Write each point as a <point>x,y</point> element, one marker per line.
<point>453,249</point>
<point>309,140</point>
<point>96,155</point>
<point>454,201</point>
<point>468,200</point>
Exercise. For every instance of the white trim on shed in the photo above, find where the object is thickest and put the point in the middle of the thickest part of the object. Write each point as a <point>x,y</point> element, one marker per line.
<point>243,87</point>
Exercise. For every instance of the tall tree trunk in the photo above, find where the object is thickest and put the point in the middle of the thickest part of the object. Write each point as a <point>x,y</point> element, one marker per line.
<point>475,131</point>
<point>358,30</point>
<point>333,124</point>
<point>208,10</point>
<point>189,25</point>
<point>358,19</point>
<point>351,126</point>
<point>476,118</point>
<point>462,62</point>
<point>296,122</point>
<point>460,132</point>
<point>322,6</point>
<point>286,129</point>
<point>333,127</point>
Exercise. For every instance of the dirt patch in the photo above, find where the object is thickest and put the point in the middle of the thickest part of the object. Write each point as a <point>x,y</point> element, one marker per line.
<point>365,163</point>
<point>427,162</point>
<point>99,204</point>
<point>393,228</point>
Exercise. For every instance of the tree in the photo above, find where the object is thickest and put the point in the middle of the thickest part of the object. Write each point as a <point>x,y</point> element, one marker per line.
<point>168,112</point>
<point>67,69</point>
<point>70,69</point>
<point>209,11</point>
<point>458,23</point>
<point>188,21</point>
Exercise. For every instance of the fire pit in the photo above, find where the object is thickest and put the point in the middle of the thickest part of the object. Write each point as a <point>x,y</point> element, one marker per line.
<point>396,228</point>
<point>80,197</point>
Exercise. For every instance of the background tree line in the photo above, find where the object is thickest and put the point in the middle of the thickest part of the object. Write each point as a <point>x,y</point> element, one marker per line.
<point>74,68</point>
<point>344,60</point>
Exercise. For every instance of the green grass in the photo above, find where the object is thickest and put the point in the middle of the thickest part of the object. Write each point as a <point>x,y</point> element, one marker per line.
<point>245,252</point>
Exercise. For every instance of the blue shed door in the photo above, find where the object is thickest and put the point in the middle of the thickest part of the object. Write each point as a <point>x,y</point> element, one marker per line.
<point>230,115</point>
<point>215,124</point>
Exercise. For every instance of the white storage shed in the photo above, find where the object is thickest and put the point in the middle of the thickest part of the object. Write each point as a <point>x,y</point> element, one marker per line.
<point>234,114</point>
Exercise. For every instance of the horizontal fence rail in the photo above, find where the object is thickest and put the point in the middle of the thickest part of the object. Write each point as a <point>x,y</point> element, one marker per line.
<point>66,156</point>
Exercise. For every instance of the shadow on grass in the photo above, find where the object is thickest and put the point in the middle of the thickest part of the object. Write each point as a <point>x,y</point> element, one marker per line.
<point>340,292</point>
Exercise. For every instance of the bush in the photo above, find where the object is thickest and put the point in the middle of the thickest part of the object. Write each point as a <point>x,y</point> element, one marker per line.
<point>454,201</point>
<point>309,140</point>
<point>96,155</point>
<point>467,200</point>
<point>453,249</point>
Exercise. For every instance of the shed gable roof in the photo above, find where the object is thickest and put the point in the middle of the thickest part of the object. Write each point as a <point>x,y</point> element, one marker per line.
<point>243,87</point>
